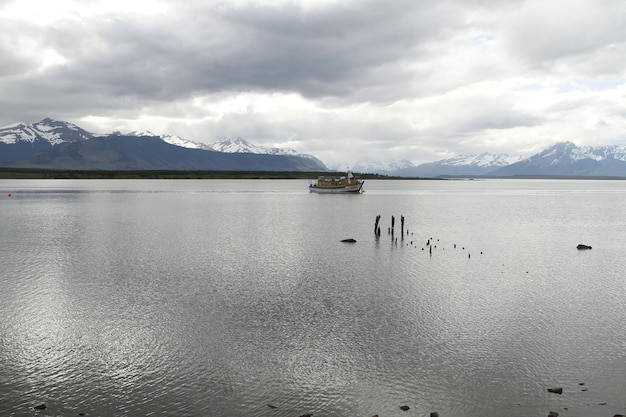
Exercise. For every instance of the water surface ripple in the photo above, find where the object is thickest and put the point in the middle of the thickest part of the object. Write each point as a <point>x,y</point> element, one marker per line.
<point>237,298</point>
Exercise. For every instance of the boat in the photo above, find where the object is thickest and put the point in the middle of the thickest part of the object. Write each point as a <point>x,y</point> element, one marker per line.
<point>336,185</point>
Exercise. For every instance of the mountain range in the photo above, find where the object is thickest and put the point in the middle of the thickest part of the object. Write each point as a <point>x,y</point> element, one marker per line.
<point>52,144</point>
<point>561,159</point>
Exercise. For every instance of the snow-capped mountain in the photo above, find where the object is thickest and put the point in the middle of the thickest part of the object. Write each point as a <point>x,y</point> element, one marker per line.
<point>48,130</point>
<point>239,145</point>
<point>21,140</point>
<point>567,159</point>
<point>462,165</point>
<point>483,160</point>
<point>171,139</point>
<point>380,166</point>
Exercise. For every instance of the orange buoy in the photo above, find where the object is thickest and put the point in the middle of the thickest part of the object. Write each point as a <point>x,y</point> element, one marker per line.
<point>9,195</point>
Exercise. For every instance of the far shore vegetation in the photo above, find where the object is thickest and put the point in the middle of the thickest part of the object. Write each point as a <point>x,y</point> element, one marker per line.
<point>35,173</point>
<point>13,173</point>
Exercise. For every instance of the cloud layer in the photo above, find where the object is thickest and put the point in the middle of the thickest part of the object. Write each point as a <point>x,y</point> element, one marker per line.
<point>344,80</point>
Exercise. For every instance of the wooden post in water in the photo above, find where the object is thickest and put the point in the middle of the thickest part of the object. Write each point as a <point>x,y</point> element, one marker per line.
<point>393,222</point>
<point>402,225</point>
<point>376,228</point>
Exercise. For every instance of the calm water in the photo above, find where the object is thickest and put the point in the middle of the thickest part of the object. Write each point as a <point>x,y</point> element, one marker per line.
<point>230,298</point>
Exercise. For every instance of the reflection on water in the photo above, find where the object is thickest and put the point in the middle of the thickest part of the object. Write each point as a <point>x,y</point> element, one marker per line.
<point>238,298</point>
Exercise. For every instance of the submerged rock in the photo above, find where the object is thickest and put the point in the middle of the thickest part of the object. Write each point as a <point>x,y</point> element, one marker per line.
<point>405,407</point>
<point>349,240</point>
<point>557,390</point>
<point>582,247</point>
<point>40,407</point>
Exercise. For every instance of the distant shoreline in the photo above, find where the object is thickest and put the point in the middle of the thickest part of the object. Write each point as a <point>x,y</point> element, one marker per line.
<point>27,173</point>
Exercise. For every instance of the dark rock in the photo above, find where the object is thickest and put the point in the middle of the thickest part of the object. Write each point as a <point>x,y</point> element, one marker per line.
<point>349,240</point>
<point>306,415</point>
<point>553,414</point>
<point>271,406</point>
<point>405,407</point>
<point>434,414</point>
<point>40,407</point>
<point>558,390</point>
<point>582,247</point>
<point>618,415</point>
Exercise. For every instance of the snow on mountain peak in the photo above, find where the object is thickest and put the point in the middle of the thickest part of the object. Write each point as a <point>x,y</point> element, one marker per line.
<point>569,151</point>
<point>171,139</point>
<point>484,159</point>
<point>141,133</point>
<point>47,130</point>
<point>240,145</point>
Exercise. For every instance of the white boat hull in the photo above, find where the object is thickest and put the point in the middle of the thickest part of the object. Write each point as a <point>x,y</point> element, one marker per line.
<point>352,188</point>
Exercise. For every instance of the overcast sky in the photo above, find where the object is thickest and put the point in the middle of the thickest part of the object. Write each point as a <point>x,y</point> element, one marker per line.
<point>345,81</point>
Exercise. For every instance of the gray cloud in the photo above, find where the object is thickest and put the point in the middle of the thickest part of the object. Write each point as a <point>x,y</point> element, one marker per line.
<point>394,77</point>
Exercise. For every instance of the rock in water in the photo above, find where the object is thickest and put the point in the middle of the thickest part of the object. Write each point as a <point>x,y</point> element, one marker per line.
<point>582,247</point>
<point>349,240</point>
<point>558,390</point>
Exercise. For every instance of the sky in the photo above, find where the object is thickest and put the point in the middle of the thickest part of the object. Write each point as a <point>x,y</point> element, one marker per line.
<point>344,80</point>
